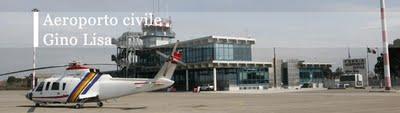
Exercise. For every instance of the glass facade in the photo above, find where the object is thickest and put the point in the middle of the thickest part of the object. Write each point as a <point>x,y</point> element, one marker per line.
<point>198,53</point>
<point>149,58</point>
<point>253,76</point>
<point>311,75</point>
<point>225,77</point>
<point>217,51</point>
<point>202,53</point>
<point>233,52</point>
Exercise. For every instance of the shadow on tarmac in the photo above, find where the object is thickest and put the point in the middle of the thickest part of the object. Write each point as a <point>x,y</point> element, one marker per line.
<point>32,107</point>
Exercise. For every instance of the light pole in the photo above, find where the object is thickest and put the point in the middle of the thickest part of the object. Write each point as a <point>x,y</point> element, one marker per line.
<point>274,69</point>
<point>35,13</point>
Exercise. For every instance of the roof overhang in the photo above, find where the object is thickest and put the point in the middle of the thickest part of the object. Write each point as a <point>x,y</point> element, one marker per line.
<point>311,65</point>
<point>227,64</point>
<point>211,39</point>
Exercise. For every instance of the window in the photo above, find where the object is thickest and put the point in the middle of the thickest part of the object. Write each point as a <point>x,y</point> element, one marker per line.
<point>318,75</point>
<point>230,52</point>
<point>347,78</point>
<point>40,87</point>
<point>55,86</point>
<point>304,75</point>
<point>253,76</point>
<point>64,84</point>
<point>47,85</point>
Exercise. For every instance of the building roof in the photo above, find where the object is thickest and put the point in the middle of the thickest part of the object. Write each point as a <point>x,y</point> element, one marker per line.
<point>212,39</point>
<point>302,63</point>
<point>309,64</point>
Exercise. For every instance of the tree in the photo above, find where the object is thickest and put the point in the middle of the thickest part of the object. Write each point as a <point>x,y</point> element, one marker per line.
<point>11,80</point>
<point>338,72</point>
<point>379,67</point>
<point>327,72</point>
<point>396,44</point>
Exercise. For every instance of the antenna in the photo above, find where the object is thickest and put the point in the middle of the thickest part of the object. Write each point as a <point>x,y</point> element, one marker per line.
<point>348,52</point>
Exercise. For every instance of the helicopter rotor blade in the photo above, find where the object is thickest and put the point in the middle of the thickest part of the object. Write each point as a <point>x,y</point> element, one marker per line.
<point>180,62</point>
<point>97,64</point>
<point>175,46</point>
<point>162,54</point>
<point>47,67</point>
<point>39,68</point>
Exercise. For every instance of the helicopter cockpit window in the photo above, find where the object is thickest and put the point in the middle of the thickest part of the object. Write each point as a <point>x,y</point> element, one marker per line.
<point>55,86</point>
<point>64,84</point>
<point>40,87</point>
<point>47,85</point>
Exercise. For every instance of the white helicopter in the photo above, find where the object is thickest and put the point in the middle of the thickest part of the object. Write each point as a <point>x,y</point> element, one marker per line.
<point>81,84</point>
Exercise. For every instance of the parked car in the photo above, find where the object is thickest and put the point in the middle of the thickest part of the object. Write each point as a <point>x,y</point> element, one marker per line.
<point>207,87</point>
<point>306,85</point>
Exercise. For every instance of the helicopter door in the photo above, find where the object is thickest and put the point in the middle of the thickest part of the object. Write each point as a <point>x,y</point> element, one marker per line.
<point>55,91</point>
<point>62,91</point>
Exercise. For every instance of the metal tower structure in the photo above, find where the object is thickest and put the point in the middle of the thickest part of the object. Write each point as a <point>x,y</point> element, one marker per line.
<point>132,45</point>
<point>127,45</point>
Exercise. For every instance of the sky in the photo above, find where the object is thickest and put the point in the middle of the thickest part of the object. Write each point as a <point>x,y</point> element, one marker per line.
<point>274,23</point>
<point>313,30</point>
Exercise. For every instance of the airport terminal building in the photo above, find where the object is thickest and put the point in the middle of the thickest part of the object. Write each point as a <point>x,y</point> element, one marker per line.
<point>294,73</point>
<point>220,61</point>
<point>224,62</point>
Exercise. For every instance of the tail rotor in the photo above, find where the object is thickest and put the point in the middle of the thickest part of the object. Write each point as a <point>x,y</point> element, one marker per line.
<point>175,56</point>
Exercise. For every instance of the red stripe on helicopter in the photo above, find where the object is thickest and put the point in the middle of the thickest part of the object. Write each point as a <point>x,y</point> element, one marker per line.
<point>76,67</point>
<point>140,83</point>
<point>62,96</point>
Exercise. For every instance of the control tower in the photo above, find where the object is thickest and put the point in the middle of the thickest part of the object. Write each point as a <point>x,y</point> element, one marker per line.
<point>157,34</point>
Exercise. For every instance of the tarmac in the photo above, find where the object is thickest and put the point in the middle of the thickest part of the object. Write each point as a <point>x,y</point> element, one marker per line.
<point>319,101</point>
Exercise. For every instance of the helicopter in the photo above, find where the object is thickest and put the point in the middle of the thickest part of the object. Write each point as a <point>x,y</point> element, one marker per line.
<point>80,84</point>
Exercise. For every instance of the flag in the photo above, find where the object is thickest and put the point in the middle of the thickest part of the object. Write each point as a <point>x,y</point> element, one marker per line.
<point>371,50</point>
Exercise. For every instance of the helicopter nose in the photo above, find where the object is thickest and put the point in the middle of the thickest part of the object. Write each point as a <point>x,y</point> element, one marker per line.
<point>29,95</point>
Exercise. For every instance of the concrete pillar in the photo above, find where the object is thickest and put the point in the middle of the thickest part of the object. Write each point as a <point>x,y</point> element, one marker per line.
<point>278,71</point>
<point>187,80</point>
<point>215,78</point>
